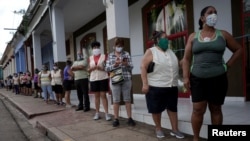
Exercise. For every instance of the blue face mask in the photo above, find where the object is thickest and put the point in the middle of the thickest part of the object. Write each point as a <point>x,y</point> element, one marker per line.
<point>163,44</point>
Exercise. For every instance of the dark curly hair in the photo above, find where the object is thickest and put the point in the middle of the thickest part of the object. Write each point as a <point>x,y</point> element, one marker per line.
<point>68,62</point>
<point>203,11</point>
<point>95,43</point>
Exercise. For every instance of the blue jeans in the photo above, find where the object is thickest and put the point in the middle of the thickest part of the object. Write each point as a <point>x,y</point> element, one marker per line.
<point>47,89</point>
<point>16,89</point>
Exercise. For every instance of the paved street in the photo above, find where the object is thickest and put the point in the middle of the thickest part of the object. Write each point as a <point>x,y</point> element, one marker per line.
<point>9,130</point>
<point>14,126</point>
<point>63,124</point>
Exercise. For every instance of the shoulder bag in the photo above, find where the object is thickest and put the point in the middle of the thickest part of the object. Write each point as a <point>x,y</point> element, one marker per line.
<point>116,76</point>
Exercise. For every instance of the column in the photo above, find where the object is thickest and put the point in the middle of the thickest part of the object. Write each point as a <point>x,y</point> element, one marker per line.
<point>37,50</point>
<point>117,19</point>
<point>58,35</point>
<point>28,53</point>
<point>13,65</point>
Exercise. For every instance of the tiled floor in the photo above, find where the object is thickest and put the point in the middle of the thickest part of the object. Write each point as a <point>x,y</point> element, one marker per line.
<point>235,112</point>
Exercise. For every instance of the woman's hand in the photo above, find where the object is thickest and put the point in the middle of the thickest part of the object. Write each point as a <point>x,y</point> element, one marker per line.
<point>125,62</point>
<point>186,83</point>
<point>96,68</point>
<point>117,62</point>
<point>145,88</point>
<point>99,67</point>
<point>92,68</point>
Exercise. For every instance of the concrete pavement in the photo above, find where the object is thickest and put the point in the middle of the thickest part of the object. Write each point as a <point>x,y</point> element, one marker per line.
<point>63,124</point>
<point>11,130</point>
<point>14,126</point>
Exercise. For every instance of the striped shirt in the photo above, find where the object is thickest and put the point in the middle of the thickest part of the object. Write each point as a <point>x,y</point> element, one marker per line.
<point>45,78</point>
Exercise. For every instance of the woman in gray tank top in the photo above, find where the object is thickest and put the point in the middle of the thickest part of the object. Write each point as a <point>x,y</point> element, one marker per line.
<point>205,71</point>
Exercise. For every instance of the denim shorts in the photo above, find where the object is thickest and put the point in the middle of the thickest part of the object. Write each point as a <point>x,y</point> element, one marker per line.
<point>123,89</point>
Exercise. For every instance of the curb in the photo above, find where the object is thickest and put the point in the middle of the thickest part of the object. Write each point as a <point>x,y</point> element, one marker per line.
<point>27,129</point>
<point>53,133</point>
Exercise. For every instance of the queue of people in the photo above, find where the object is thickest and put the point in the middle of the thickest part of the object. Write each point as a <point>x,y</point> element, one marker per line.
<point>86,75</point>
<point>19,83</point>
<point>204,75</point>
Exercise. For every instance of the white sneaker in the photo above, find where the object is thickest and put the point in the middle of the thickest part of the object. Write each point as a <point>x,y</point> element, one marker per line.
<point>96,117</point>
<point>108,117</point>
<point>69,106</point>
<point>159,134</point>
<point>177,134</point>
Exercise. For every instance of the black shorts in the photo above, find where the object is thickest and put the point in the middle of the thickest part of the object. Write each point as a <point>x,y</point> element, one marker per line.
<point>58,89</point>
<point>67,84</point>
<point>21,85</point>
<point>213,90</point>
<point>159,99</point>
<point>36,87</point>
<point>99,86</point>
<point>28,85</point>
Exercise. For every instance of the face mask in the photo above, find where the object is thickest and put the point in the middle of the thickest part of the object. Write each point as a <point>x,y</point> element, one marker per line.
<point>118,49</point>
<point>211,20</point>
<point>163,44</point>
<point>55,68</point>
<point>96,51</point>
<point>44,68</point>
<point>79,57</point>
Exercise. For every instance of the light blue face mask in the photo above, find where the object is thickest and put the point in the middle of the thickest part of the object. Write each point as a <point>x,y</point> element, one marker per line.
<point>119,49</point>
<point>163,44</point>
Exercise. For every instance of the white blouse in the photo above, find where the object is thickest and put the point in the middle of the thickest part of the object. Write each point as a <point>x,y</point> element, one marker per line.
<point>166,69</point>
<point>56,77</point>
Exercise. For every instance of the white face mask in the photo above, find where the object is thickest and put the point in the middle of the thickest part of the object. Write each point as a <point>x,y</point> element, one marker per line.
<point>55,67</point>
<point>211,19</point>
<point>96,51</point>
<point>79,57</point>
<point>118,49</point>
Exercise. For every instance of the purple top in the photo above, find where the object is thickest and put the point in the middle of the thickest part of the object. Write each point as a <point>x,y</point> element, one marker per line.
<point>35,78</point>
<point>66,75</point>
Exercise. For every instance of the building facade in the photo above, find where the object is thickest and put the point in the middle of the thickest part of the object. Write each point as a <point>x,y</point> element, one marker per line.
<point>53,31</point>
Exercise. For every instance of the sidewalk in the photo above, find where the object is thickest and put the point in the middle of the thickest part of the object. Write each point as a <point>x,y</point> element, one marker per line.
<point>61,124</point>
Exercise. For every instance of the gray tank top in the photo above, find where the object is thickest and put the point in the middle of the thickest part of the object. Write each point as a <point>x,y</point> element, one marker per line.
<point>208,56</point>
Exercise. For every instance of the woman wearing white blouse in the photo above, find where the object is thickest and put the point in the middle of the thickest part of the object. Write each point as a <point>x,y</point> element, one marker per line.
<point>160,85</point>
